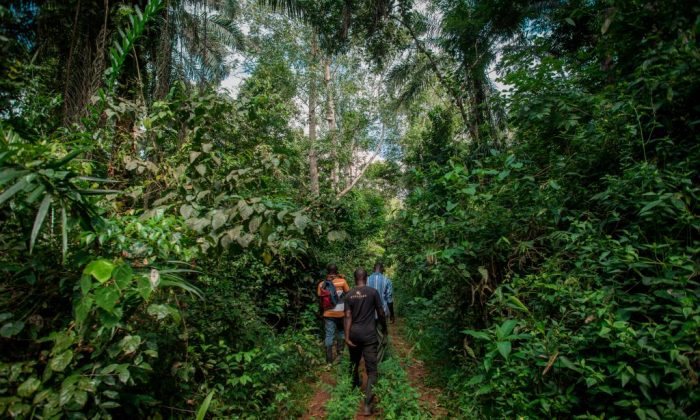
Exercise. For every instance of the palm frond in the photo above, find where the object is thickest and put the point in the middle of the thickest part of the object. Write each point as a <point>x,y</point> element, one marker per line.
<point>292,8</point>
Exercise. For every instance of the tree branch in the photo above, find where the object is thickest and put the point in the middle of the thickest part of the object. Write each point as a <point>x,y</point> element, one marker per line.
<point>364,168</point>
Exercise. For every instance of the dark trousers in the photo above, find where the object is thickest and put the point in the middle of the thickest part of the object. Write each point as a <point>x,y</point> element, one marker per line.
<point>369,352</point>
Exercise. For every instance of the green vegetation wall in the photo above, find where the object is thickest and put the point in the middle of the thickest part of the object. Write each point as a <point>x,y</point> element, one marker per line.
<point>554,273</point>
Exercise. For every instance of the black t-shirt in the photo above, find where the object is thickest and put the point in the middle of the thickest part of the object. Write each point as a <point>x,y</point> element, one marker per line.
<point>363,302</point>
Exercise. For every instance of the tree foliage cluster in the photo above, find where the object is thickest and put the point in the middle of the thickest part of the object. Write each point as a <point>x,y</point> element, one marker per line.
<point>158,244</point>
<point>551,272</point>
<point>161,238</point>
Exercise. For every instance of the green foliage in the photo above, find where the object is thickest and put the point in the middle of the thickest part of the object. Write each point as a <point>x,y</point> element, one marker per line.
<point>397,399</point>
<point>558,273</point>
<point>345,400</point>
<point>546,260</point>
<point>128,36</point>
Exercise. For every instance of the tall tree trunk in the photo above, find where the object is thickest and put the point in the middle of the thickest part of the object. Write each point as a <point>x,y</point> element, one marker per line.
<point>480,112</point>
<point>163,58</point>
<point>313,97</point>
<point>330,118</point>
<point>67,115</point>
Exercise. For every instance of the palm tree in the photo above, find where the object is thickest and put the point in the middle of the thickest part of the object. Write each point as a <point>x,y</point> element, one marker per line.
<point>197,36</point>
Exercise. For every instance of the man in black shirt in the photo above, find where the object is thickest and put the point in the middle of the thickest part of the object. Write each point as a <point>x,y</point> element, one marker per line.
<point>361,304</point>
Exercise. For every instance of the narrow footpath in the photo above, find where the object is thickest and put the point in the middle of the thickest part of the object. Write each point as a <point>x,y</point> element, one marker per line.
<point>428,398</point>
<point>417,373</point>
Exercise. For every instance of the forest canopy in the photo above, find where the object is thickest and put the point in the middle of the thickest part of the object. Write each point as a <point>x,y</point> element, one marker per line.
<point>175,175</point>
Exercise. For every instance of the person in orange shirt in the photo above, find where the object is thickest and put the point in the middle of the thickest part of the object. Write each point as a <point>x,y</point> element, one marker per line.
<point>333,317</point>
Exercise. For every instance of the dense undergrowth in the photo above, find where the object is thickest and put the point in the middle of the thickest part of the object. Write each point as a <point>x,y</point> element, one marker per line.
<point>396,398</point>
<point>153,255</point>
<point>161,239</point>
<point>558,273</point>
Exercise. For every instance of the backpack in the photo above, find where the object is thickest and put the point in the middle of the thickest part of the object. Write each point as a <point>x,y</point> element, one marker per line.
<point>329,297</point>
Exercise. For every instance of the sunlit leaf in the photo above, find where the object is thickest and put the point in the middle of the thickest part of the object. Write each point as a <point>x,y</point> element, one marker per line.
<point>106,298</point>
<point>254,224</point>
<point>100,270</point>
<point>28,387</point>
<point>59,362</point>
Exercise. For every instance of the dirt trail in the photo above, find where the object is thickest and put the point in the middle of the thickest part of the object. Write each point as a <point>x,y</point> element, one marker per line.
<point>415,371</point>
<point>316,407</point>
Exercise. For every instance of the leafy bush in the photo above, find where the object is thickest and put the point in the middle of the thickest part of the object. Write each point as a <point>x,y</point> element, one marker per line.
<point>558,272</point>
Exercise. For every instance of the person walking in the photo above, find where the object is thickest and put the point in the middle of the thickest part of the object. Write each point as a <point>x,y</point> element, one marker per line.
<point>382,284</point>
<point>362,304</point>
<point>333,314</point>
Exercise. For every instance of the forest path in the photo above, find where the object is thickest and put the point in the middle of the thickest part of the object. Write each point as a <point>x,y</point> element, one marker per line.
<point>316,407</point>
<point>416,371</point>
<point>428,397</point>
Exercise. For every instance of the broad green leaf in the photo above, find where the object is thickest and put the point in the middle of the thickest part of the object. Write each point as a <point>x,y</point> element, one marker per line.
<point>187,211</point>
<point>28,387</point>
<point>106,298</point>
<point>506,328</point>
<point>163,311</point>
<point>82,309</point>
<point>232,235</point>
<point>254,224</point>
<point>85,284</point>
<point>122,275</point>
<point>144,287</point>
<point>39,220</point>
<point>643,379</point>
<point>218,220</point>
<point>8,193</point>
<point>123,373</point>
<point>11,328</point>
<point>301,221</point>
<point>80,397</point>
<point>130,343</point>
<point>245,240</point>
<point>59,362</point>
<point>244,210</point>
<point>504,348</point>
<point>201,169</point>
<point>100,270</point>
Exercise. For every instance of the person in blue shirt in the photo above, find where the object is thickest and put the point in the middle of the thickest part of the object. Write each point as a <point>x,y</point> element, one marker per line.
<point>383,285</point>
